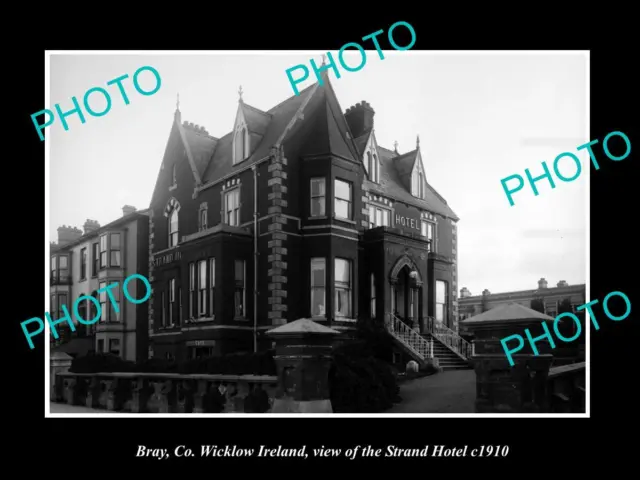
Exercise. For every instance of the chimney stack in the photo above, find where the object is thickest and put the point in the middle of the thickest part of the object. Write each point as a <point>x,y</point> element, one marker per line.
<point>90,226</point>
<point>542,283</point>
<point>360,118</point>
<point>128,210</point>
<point>68,234</point>
<point>563,283</point>
<point>464,292</point>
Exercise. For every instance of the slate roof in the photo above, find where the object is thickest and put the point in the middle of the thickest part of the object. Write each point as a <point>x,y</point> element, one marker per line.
<point>212,157</point>
<point>505,313</point>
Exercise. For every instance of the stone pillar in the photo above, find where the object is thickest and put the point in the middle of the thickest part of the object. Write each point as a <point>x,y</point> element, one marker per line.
<point>59,362</point>
<point>500,387</point>
<point>303,359</point>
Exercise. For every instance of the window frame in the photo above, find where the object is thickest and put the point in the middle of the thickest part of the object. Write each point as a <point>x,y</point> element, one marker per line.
<point>173,237</point>
<point>95,261</point>
<point>322,196</point>
<point>83,263</point>
<point>212,286</point>
<point>339,286</point>
<point>444,304</point>
<point>113,249</point>
<point>104,304</point>
<point>321,288</point>
<point>243,288</point>
<point>202,288</point>
<point>337,199</point>
<point>172,299</point>
<point>192,287</point>
<point>229,214</point>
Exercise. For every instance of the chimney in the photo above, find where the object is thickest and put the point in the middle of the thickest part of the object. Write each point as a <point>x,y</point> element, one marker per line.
<point>464,292</point>
<point>360,118</point>
<point>542,283</point>
<point>563,283</point>
<point>128,210</point>
<point>90,226</point>
<point>68,234</point>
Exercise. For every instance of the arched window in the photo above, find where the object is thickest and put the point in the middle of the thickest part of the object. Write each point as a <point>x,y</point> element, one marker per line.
<point>376,169</point>
<point>173,228</point>
<point>369,166</point>
<point>240,144</point>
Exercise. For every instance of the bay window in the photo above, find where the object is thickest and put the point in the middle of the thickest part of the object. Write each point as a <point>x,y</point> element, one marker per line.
<point>318,197</point>
<point>212,286</point>
<point>318,287</point>
<point>202,288</point>
<point>343,288</point>
<point>343,204</point>
<point>240,289</point>
<point>232,207</point>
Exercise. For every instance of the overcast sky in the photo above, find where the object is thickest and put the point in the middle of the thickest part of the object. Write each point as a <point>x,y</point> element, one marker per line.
<point>480,117</point>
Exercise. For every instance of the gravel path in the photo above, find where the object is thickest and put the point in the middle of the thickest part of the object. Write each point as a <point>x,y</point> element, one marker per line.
<point>452,391</point>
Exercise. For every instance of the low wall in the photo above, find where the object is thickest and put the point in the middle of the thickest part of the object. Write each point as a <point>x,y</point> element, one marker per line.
<point>566,388</point>
<point>166,393</point>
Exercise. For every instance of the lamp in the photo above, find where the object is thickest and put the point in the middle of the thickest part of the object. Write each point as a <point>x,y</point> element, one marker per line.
<point>413,274</point>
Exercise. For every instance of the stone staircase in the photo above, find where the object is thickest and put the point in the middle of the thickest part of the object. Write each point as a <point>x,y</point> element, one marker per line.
<point>447,359</point>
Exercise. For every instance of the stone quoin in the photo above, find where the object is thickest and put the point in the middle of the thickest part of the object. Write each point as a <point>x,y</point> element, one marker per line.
<point>570,178</point>
<point>363,61</point>
<point>88,95</point>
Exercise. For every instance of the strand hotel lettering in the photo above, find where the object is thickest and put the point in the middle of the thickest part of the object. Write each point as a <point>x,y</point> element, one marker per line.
<point>95,301</point>
<point>408,222</point>
<point>547,334</point>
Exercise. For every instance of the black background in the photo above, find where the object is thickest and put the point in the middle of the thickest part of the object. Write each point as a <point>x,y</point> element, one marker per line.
<point>81,446</point>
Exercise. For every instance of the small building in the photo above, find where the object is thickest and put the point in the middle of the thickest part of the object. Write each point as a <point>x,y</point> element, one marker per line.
<point>83,262</point>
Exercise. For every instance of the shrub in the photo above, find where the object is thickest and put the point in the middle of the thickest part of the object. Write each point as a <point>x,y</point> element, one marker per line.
<point>101,362</point>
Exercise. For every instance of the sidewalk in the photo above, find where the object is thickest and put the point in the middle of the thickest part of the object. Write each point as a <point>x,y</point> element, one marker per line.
<point>70,409</point>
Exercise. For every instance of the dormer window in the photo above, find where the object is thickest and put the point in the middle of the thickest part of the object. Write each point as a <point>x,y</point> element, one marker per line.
<point>171,213</point>
<point>373,167</point>
<point>240,144</point>
<point>418,182</point>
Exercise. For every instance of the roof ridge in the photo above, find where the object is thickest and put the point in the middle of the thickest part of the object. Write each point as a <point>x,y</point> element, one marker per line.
<point>289,98</point>
<point>257,109</point>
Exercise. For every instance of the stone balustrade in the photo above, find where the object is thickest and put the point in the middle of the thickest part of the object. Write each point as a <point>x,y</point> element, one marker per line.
<point>566,388</point>
<point>165,392</point>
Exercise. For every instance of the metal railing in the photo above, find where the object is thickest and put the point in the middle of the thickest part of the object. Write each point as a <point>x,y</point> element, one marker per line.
<point>409,337</point>
<point>449,338</point>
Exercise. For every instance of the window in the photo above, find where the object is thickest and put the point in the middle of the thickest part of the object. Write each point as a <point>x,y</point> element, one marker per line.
<point>96,259</point>
<point>103,251</point>
<point>174,178</point>
<point>370,165</point>
<point>101,346</point>
<point>212,286</point>
<point>83,264</point>
<point>114,346</point>
<point>172,299</point>
<point>180,319</point>
<point>373,296</point>
<point>426,230</point>
<point>114,316</point>
<point>202,288</point>
<point>441,301</point>
<point>173,228</point>
<point>164,310</point>
<point>54,270</point>
<point>114,250</point>
<point>203,219</point>
<point>240,144</point>
<point>376,169</point>
<point>318,195</point>
<point>62,301</point>
<point>192,287</point>
<point>239,297</point>
<point>63,269</point>
<point>342,288</point>
<point>232,207</point>
<point>379,217</point>
<point>421,185</point>
<point>318,287</point>
<point>343,199</point>
<point>103,302</point>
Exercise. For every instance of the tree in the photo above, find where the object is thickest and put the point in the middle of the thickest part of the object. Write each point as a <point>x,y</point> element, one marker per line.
<point>537,304</point>
<point>565,306</point>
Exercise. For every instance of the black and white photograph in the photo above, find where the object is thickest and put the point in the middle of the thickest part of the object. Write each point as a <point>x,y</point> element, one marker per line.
<point>229,235</point>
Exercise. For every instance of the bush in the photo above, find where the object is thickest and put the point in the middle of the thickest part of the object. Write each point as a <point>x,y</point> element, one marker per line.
<point>360,380</point>
<point>101,362</point>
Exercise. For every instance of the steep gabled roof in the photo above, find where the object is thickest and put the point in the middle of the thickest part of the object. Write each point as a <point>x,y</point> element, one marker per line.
<point>392,186</point>
<point>199,146</point>
<point>404,165</point>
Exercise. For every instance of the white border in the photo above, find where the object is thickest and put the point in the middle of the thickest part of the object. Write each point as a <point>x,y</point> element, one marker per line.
<point>48,413</point>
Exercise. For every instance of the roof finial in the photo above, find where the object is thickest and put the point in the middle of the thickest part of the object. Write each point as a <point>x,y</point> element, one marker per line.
<point>178,102</point>
<point>395,146</point>
<point>240,92</point>
<point>417,141</point>
<point>324,59</point>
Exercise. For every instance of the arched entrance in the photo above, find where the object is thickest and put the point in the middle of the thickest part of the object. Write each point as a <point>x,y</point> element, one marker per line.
<point>406,291</point>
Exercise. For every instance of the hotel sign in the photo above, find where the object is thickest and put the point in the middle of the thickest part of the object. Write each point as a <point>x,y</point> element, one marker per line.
<point>166,259</point>
<point>407,222</point>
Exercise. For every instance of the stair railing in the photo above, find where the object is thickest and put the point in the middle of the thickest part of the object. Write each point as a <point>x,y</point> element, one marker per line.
<point>409,337</point>
<point>449,338</point>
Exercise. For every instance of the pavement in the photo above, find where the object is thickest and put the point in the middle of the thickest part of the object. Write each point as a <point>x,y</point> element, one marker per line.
<point>451,391</point>
<point>70,409</point>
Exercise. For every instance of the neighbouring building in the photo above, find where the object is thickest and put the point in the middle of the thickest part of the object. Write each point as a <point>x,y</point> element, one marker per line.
<point>84,262</point>
<point>296,212</point>
<point>547,298</point>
